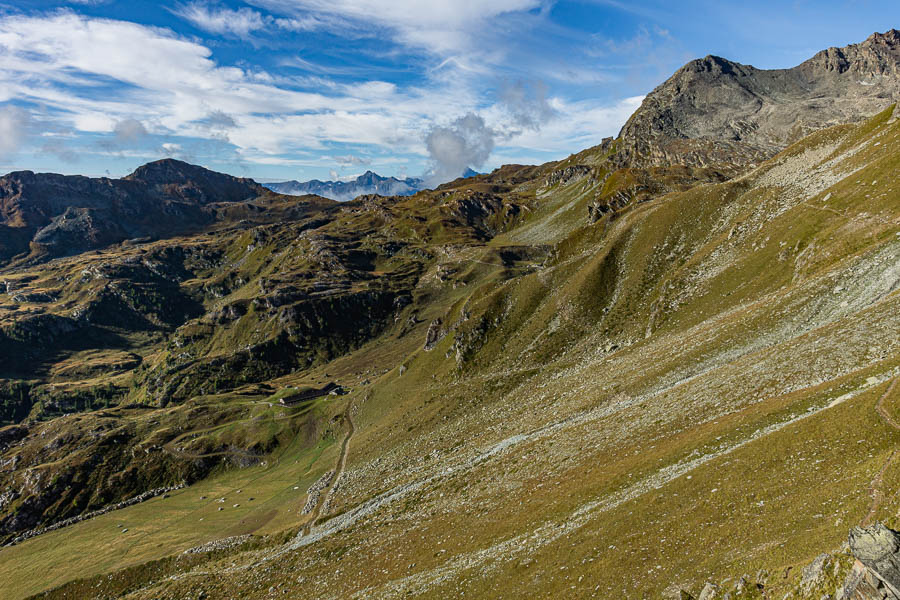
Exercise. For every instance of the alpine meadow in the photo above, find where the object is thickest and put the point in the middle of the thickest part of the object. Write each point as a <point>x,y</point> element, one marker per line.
<point>662,364</point>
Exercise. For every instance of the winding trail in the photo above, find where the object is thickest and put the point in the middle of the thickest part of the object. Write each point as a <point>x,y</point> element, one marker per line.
<point>338,471</point>
<point>875,488</point>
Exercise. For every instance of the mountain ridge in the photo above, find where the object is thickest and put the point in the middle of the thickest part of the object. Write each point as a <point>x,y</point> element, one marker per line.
<point>47,214</point>
<point>714,110</point>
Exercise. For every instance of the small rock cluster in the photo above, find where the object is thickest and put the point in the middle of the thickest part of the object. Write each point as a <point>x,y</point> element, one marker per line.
<point>866,568</point>
<point>223,544</point>
<point>315,490</point>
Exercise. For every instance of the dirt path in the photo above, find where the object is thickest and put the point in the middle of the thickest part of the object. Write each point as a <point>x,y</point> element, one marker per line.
<point>875,488</point>
<point>338,471</point>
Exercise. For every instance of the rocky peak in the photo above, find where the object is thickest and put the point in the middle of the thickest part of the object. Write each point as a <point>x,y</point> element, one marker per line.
<point>714,110</point>
<point>370,177</point>
<point>877,56</point>
<point>167,170</point>
<point>194,183</point>
<point>715,65</point>
<point>888,39</point>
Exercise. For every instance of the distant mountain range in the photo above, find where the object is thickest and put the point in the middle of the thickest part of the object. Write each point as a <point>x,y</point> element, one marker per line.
<point>367,183</point>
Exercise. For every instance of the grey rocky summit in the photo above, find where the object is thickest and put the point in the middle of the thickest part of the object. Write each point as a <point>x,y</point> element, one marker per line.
<point>714,111</point>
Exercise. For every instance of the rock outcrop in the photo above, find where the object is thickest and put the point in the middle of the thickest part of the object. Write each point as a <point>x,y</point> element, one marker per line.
<point>876,573</point>
<point>866,568</point>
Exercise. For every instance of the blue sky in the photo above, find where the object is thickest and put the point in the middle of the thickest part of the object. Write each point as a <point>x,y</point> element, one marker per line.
<point>302,89</point>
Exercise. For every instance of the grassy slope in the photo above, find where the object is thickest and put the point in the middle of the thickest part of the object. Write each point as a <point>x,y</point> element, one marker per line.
<point>707,340</point>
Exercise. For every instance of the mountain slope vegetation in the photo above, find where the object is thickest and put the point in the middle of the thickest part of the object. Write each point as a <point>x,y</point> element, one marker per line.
<point>613,376</point>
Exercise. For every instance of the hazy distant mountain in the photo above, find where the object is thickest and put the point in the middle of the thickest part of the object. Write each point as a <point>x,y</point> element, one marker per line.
<point>367,183</point>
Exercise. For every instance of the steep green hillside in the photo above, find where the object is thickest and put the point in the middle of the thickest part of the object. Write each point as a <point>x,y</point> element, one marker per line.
<point>568,381</point>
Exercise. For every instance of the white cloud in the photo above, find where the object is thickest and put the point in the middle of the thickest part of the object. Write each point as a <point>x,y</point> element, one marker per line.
<point>440,26</point>
<point>129,131</point>
<point>241,22</point>
<point>351,160</point>
<point>105,76</point>
<point>467,142</point>
<point>307,23</point>
<point>172,83</point>
<point>585,124</point>
<point>14,123</point>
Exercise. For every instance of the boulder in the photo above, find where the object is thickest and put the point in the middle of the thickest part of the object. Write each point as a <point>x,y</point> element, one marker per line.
<point>876,574</point>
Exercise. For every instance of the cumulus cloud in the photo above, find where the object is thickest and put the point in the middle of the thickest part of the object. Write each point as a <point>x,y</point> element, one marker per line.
<point>14,125</point>
<point>466,143</point>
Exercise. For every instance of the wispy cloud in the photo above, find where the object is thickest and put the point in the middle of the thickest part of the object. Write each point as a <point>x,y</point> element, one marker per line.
<point>241,22</point>
<point>216,19</point>
<point>351,160</point>
<point>14,125</point>
<point>527,103</point>
<point>441,26</point>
